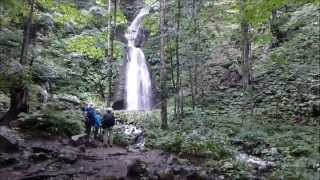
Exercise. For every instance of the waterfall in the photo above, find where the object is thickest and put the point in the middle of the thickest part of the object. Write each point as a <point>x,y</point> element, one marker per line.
<point>138,82</point>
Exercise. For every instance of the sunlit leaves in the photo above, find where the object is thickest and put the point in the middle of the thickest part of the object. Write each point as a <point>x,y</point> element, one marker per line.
<point>72,14</point>
<point>120,18</point>
<point>257,12</point>
<point>152,24</point>
<point>88,46</point>
<point>12,11</point>
<point>47,4</point>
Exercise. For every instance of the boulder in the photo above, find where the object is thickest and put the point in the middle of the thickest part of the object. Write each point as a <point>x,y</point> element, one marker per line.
<point>7,160</point>
<point>9,140</point>
<point>69,28</point>
<point>68,155</point>
<point>69,98</point>
<point>40,156</point>
<point>166,174</point>
<point>138,169</point>
<point>79,139</point>
<point>85,4</point>
<point>131,8</point>
<point>4,103</point>
<point>253,161</point>
<point>46,20</point>
<point>98,11</point>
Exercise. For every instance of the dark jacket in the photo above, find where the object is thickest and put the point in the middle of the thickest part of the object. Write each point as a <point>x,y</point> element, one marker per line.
<point>91,115</point>
<point>108,120</point>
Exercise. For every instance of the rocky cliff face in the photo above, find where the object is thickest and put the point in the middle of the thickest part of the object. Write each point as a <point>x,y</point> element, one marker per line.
<point>131,8</point>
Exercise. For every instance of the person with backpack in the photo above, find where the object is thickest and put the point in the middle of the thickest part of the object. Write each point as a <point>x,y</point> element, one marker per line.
<point>97,124</point>
<point>107,125</point>
<point>90,118</point>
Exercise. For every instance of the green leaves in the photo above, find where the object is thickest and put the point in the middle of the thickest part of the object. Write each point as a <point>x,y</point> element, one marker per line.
<point>87,46</point>
<point>12,11</point>
<point>152,24</point>
<point>69,13</point>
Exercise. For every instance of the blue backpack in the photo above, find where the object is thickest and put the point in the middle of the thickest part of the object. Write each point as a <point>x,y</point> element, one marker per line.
<point>91,114</point>
<point>98,120</point>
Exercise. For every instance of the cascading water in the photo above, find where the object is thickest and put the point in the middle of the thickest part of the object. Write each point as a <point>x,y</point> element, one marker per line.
<point>138,82</point>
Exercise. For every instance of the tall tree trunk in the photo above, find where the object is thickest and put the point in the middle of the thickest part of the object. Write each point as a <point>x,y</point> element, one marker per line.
<point>19,93</point>
<point>178,82</point>
<point>246,64</point>
<point>108,52</point>
<point>26,35</point>
<point>192,88</point>
<point>245,49</point>
<point>172,67</point>
<point>163,73</point>
<point>111,29</point>
<point>277,35</point>
<point>193,70</point>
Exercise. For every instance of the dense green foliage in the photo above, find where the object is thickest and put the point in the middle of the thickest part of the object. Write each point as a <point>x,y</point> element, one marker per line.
<point>55,119</point>
<point>276,119</point>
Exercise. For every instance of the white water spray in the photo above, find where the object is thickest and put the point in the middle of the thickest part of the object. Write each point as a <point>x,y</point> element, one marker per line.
<point>138,82</point>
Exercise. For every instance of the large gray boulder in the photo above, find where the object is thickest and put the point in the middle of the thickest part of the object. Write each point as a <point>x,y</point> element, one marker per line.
<point>47,21</point>
<point>131,8</point>
<point>10,141</point>
<point>69,98</point>
<point>69,28</point>
<point>98,11</point>
<point>138,169</point>
<point>79,139</point>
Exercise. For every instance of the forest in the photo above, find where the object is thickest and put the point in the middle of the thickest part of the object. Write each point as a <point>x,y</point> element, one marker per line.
<point>194,89</point>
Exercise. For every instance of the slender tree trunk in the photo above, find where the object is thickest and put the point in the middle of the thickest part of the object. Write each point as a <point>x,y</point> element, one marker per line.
<point>275,30</point>
<point>192,88</point>
<point>193,70</point>
<point>173,80</point>
<point>111,30</point>
<point>163,76</point>
<point>26,35</point>
<point>178,82</point>
<point>174,85</point>
<point>245,57</point>
<point>108,52</point>
<point>245,49</point>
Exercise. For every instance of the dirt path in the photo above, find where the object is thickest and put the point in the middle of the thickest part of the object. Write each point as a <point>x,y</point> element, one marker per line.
<point>56,160</point>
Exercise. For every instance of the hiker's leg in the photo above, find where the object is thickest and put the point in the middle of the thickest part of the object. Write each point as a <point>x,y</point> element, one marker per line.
<point>110,136</point>
<point>95,132</point>
<point>88,131</point>
<point>105,137</point>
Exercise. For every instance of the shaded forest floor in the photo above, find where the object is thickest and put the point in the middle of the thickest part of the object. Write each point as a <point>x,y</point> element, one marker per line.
<point>58,159</point>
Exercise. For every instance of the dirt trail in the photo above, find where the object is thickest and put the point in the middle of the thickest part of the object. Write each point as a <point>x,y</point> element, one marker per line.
<point>58,160</point>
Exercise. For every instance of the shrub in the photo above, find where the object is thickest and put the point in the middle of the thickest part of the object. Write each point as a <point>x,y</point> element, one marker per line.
<point>53,120</point>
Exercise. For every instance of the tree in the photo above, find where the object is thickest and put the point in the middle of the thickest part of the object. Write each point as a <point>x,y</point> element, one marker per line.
<point>163,73</point>
<point>245,47</point>
<point>178,101</point>
<point>111,55</point>
<point>19,91</point>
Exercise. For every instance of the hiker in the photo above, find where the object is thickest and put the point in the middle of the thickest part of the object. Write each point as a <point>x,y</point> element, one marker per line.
<point>107,125</point>
<point>90,118</point>
<point>97,124</point>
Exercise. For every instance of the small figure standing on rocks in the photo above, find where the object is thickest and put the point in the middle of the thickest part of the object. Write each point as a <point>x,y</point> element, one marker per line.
<point>89,121</point>
<point>107,125</point>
